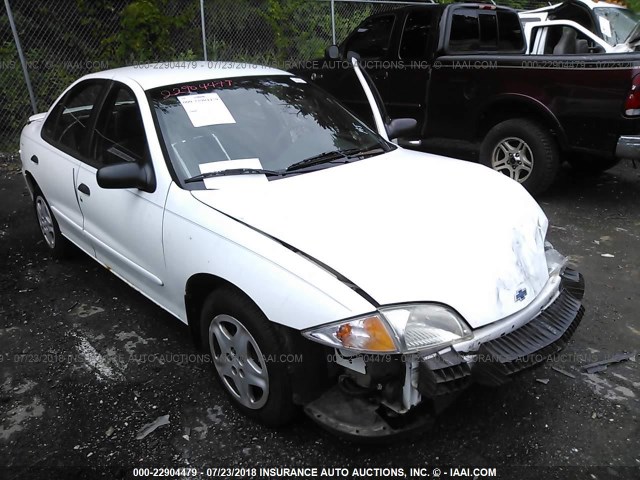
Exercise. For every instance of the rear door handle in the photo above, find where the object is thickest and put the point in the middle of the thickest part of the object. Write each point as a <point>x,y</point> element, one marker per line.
<point>84,189</point>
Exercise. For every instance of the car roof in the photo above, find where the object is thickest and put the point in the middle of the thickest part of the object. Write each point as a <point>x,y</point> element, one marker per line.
<point>154,75</point>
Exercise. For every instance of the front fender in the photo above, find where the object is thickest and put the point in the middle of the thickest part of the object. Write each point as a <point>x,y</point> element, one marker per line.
<point>288,287</point>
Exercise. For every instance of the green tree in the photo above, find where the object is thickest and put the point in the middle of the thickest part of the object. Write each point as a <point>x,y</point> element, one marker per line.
<point>148,33</point>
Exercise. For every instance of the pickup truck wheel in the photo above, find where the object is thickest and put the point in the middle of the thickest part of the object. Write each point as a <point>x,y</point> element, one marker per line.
<point>524,151</point>
<point>247,354</point>
<point>53,239</point>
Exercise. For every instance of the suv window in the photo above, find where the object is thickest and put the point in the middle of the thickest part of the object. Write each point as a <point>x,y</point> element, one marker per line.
<point>119,132</point>
<point>371,39</point>
<point>488,30</point>
<point>415,36</point>
<point>67,125</point>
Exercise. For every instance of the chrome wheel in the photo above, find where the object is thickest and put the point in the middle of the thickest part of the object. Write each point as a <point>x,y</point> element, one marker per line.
<point>512,156</point>
<point>45,219</point>
<point>239,361</point>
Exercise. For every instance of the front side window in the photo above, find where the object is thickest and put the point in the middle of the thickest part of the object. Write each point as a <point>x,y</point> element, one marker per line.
<point>371,39</point>
<point>68,124</point>
<point>253,122</point>
<point>119,134</point>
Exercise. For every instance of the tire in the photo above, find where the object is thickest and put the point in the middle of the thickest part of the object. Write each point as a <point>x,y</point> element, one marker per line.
<point>535,161</point>
<point>586,164</point>
<point>247,350</point>
<point>53,239</point>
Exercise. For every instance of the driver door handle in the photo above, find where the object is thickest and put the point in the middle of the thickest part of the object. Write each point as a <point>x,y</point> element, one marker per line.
<point>84,189</point>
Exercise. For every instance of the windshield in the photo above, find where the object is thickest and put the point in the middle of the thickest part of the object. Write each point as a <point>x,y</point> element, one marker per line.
<point>616,23</point>
<point>252,123</point>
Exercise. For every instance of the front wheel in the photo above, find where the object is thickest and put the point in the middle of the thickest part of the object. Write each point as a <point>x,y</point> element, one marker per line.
<point>524,151</point>
<point>249,356</point>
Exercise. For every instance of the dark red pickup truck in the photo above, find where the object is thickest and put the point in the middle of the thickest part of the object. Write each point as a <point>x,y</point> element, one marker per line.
<point>460,70</point>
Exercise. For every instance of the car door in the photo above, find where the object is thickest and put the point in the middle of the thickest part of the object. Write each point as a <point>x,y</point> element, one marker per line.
<point>372,41</point>
<point>406,92</point>
<point>57,161</point>
<point>124,225</point>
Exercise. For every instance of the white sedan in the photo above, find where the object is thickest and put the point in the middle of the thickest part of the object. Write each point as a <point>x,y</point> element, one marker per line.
<point>320,264</point>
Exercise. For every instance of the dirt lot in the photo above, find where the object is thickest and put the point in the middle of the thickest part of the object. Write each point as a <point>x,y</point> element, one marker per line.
<point>86,362</point>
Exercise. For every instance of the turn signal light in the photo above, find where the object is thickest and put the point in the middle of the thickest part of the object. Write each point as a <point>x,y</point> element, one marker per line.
<point>369,334</point>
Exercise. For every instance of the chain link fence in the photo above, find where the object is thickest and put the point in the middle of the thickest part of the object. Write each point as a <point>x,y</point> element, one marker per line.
<point>65,39</point>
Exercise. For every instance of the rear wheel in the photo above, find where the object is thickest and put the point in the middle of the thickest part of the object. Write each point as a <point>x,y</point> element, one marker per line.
<point>524,151</point>
<point>249,357</point>
<point>53,239</point>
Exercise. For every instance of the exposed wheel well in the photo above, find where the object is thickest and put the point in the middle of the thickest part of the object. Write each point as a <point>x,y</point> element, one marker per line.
<point>499,112</point>
<point>198,287</point>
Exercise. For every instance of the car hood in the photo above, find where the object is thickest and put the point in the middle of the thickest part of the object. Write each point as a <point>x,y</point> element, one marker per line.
<point>408,227</point>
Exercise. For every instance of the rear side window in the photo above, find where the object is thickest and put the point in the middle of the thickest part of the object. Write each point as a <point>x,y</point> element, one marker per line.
<point>465,31</point>
<point>488,31</point>
<point>415,36</point>
<point>371,39</point>
<point>68,124</point>
<point>509,32</point>
<point>483,30</point>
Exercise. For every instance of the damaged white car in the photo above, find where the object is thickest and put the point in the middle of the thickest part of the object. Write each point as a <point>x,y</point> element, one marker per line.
<point>320,264</point>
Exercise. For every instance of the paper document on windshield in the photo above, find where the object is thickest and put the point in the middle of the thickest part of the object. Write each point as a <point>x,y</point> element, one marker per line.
<point>206,109</point>
<point>242,180</point>
<point>605,26</point>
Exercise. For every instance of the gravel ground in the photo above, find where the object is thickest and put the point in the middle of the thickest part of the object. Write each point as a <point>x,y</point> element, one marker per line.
<point>86,362</point>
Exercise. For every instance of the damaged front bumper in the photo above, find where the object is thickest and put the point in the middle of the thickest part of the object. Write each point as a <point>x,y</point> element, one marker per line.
<point>427,384</point>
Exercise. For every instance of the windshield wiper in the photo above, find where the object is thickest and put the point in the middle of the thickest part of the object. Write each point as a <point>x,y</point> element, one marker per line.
<point>232,171</point>
<point>333,155</point>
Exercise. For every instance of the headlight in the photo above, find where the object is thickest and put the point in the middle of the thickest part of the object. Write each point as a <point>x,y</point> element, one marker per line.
<point>426,326</point>
<point>397,329</point>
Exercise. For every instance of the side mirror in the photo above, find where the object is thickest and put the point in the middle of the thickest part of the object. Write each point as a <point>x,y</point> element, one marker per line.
<point>127,175</point>
<point>332,52</point>
<point>399,127</point>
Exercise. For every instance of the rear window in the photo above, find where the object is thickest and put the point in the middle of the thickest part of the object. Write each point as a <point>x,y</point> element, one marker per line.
<point>475,30</point>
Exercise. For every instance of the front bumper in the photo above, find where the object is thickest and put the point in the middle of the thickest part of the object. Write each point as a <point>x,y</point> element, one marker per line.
<point>496,361</point>
<point>442,376</point>
<point>628,147</point>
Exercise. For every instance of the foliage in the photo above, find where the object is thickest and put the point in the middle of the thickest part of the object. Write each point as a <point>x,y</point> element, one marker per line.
<point>147,32</point>
<point>302,29</point>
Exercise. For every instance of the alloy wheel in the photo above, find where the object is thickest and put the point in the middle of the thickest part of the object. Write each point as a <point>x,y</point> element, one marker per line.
<point>45,219</point>
<point>239,361</point>
<point>513,157</point>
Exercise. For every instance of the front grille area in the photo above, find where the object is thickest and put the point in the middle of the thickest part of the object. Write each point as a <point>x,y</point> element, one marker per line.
<point>531,344</point>
<point>499,359</point>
